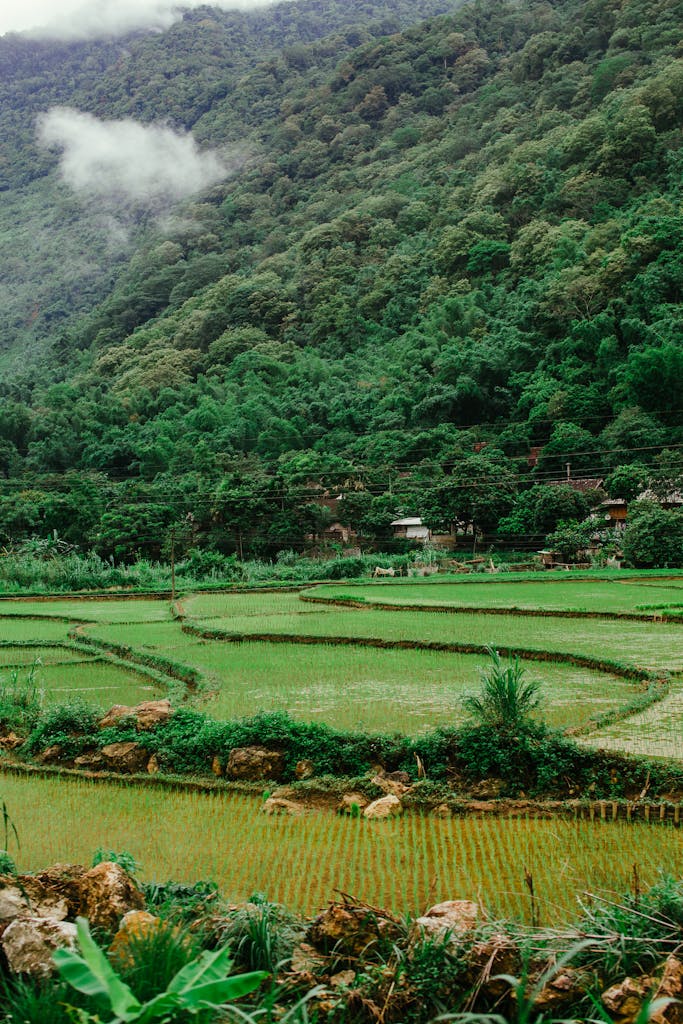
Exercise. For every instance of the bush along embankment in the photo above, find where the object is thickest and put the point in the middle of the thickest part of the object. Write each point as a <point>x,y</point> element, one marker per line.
<point>512,759</point>
<point>95,945</point>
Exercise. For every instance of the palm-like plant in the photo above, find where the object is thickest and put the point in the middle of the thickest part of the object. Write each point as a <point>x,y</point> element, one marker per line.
<point>506,699</point>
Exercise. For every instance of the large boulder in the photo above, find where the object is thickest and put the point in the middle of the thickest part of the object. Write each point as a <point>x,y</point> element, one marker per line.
<point>351,929</point>
<point>51,755</point>
<point>394,784</point>
<point>115,715</point>
<point>13,902</point>
<point>107,892</point>
<point>352,803</point>
<point>91,760</point>
<point>135,925</point>
<point>56,885</point>
<point>29,942</point>
<point>147,715</point>
<point>125,757</point>
<point>386,807</point>
<point>624,1001</point>
<point>152,713</point>
<point>281,805</point>
<point>53,893</point>
<point>452,919</point>
<point>255,764</point>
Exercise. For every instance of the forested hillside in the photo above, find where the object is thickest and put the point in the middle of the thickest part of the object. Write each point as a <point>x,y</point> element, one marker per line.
<point>463,233</point>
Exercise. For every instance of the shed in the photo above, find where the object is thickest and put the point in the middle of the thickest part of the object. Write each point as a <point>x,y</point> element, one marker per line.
<point>411,528</point>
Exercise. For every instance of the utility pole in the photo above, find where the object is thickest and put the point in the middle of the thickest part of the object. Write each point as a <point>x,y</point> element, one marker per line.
<point>172,564</point>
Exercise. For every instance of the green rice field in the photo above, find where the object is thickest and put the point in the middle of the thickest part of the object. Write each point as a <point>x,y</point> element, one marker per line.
<point>359,687</point>
<point>318,661</point>
<point>645,644</point>
<point>355,686</point>
<point>590,595</point>
<point>403,864</point>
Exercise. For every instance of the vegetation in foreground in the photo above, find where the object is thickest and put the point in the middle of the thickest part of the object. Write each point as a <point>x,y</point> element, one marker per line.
<point>192,956</point>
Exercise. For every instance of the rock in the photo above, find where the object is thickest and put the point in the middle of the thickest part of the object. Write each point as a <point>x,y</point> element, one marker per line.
<point>12,901</point>
<point>670,987</point>
<point>487,789</point>
<point>351,929</point>
<point>352,803</point>
<point>91,760</point>
<point>390,786</point>
<point>147,715</point>
<point>280,805</point>
<point>304,770</point>
<point>136,924</point>
<point>125,757</point>
<point>153,766</point>
<point>307,960</point>
<point>51,755</point>
<point>342,979</point>
<point>442,811</point>
<point>255,763</point>
<point>107,893</point>
<point>488,960</point>
<point>451,919</point>
<point>152,713</point>
<point>29,942</point>
<point>386,807</point>
<point>11,741</point>
<point>565,987</point>
<point>58,883</point>
<point>115,715</point>
<point>625,1000</point>
<point>217,766</point>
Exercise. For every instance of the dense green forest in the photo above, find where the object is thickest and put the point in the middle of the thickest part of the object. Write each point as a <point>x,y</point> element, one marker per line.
<point>451,238</point>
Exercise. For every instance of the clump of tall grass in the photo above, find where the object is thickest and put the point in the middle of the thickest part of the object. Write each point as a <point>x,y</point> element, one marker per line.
<point>21,698</point>
<point>262,934</point>
<point>506,699</point>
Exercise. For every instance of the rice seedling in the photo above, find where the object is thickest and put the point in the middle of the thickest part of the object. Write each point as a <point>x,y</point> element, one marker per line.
<point>614,595</point>
<point>656,646</point>
<point>358,687</point>
<point>403,864</point>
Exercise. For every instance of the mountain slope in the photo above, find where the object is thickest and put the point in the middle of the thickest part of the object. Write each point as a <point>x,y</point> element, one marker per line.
<point>473,221</point>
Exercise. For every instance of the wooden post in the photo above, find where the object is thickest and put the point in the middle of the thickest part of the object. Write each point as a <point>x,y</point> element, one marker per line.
<point>172,564</point>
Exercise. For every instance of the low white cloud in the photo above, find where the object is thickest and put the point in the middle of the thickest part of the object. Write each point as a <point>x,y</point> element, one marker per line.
<point>97,19</point>
<point>123,161</point>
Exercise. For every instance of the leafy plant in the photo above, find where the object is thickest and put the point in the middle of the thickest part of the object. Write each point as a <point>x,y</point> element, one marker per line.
<point>506,699</point>
<point>123,858</point>
<point>202,984</point>
<point>263,935</point>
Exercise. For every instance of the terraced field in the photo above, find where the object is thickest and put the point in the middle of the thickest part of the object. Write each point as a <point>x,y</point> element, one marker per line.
<point>368,667</point>
<point>616,595</point>
<point>383,668</point>
<point>404,864</point>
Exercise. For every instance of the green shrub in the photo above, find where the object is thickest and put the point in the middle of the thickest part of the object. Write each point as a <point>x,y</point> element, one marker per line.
<point>124,859</point>
<point>70,725</point>
<point>505,699</point>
